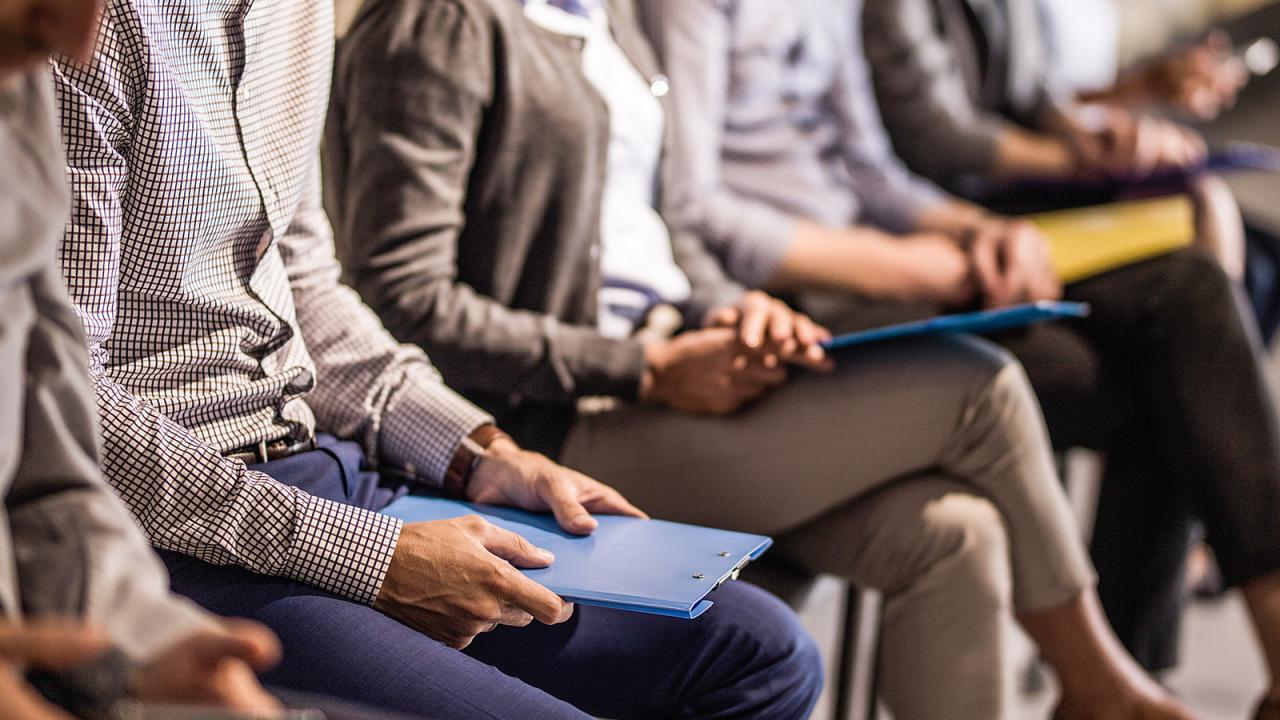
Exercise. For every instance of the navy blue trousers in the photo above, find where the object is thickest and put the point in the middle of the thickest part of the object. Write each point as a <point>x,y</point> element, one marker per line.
<point>745,658</point>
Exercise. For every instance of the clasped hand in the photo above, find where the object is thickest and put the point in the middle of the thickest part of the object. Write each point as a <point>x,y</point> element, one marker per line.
<point>1011,263</point>
<point>743,351</point>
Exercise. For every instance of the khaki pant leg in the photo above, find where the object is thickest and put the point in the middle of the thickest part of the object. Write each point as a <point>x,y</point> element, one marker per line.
<point>940,555</point>
<point>945,405</point>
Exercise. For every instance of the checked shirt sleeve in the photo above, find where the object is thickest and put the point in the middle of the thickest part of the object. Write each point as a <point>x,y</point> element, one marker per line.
<point>368,386</point>
<point>184,494</point>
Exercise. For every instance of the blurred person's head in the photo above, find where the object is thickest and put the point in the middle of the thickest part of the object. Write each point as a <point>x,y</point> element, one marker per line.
<point>31,30</point>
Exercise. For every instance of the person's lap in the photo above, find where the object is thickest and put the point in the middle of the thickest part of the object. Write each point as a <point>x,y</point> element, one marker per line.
<point>354,653</point>
<point>808,447</point>
<point>606,662</point>
<point>746,657</point>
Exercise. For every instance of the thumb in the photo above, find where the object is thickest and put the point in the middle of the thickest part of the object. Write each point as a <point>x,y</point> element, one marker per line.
<point>724,317</point>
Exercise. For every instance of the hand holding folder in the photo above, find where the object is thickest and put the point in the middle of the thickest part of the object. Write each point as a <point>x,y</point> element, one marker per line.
<point>646,566</point>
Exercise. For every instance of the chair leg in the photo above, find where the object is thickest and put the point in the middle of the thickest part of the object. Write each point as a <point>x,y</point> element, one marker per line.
<point>857,667</point>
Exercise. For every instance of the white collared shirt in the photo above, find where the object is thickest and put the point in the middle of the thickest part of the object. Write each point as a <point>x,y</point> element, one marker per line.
<point>636,259</point>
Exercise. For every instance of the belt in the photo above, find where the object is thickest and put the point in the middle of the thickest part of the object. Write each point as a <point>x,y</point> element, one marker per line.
<point>265,451</point>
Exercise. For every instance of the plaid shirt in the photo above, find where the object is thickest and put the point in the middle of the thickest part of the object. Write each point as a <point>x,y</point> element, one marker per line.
<point>202,266</point>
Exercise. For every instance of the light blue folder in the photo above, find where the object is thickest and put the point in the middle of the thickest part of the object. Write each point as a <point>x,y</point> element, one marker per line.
<point>986,321</point>
<point>647,566</point>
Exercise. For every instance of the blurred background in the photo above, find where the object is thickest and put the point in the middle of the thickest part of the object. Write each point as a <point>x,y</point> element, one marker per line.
<point>1221,672</point>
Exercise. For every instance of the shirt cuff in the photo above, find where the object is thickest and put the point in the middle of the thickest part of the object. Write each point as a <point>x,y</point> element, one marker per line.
<point>341,548</point>
<point>754,251</point>
<point>424,425</point>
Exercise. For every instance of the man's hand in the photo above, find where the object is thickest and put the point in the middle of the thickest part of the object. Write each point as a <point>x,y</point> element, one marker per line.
<point>212,667</point>
<point>707,372</point>
<point>1200,80</point>
<point>774,333</point>
<point>455,579</point>
<point>1011,261</point>
<point>44,644</point>
<point>507,475</point>
<point>1116,142</point>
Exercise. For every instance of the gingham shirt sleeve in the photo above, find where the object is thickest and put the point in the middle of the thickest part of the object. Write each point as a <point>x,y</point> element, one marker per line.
<point>368,386</point>
<point>184,494</point>
<point>751,236</point>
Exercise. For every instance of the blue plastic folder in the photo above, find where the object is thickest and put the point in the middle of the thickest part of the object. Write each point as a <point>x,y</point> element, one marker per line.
<point>646,566</point>
<point>987,321</point>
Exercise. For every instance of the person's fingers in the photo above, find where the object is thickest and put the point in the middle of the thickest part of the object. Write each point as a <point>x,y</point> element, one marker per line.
<point>986,266</point>
<point>560,494</point>
<point>755,318</point>
<point>210,648</point>
<point>1195,142</point>
<point>520,592</point>
<point>782,328</point>
<point>257,644</point>
<point>514,548</point>
<point>514,617</point>
<point>51,644</point>
<point>1143,152</point>
<point>810,352</point>
<point>1121,141</point>
<point>724,317</point>
<point>806,331</point>
<point>19,702</point>
<point>758,373</point>
<point>1219,41</point>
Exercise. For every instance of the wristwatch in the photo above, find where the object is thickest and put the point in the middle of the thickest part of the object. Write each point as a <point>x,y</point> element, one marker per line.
<point>472,449</point>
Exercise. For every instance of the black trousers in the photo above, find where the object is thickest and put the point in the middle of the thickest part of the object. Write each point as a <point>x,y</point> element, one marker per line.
<point>1166,378</point>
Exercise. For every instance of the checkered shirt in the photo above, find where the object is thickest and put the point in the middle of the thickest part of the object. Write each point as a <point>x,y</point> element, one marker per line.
<point>202,266</point>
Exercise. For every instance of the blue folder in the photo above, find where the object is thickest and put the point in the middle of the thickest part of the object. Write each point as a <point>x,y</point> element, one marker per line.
<point>986,321</point>
<point>646,566</point>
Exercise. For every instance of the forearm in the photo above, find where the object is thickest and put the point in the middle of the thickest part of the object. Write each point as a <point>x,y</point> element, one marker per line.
<point>952,216</point>
<point>860,260</point>
<point>1021,154</point>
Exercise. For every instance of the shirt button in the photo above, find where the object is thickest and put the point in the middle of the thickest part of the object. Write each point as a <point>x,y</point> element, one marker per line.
<point>302,383</point>
<point>660,85</point>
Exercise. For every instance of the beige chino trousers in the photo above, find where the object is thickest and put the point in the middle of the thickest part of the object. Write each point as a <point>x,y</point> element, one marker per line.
<point>921,468</point>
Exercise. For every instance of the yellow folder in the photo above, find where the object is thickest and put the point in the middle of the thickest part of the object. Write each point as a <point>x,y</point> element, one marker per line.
<point>1088,241</point>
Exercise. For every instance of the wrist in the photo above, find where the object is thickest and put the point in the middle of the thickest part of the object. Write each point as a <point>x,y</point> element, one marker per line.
<point>655,358</point>
<point>466,458</point>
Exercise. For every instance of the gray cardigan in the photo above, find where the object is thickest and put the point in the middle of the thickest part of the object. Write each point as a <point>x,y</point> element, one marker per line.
<point>465,161</point>
<point>68,545</point>
<point>949,76</point>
